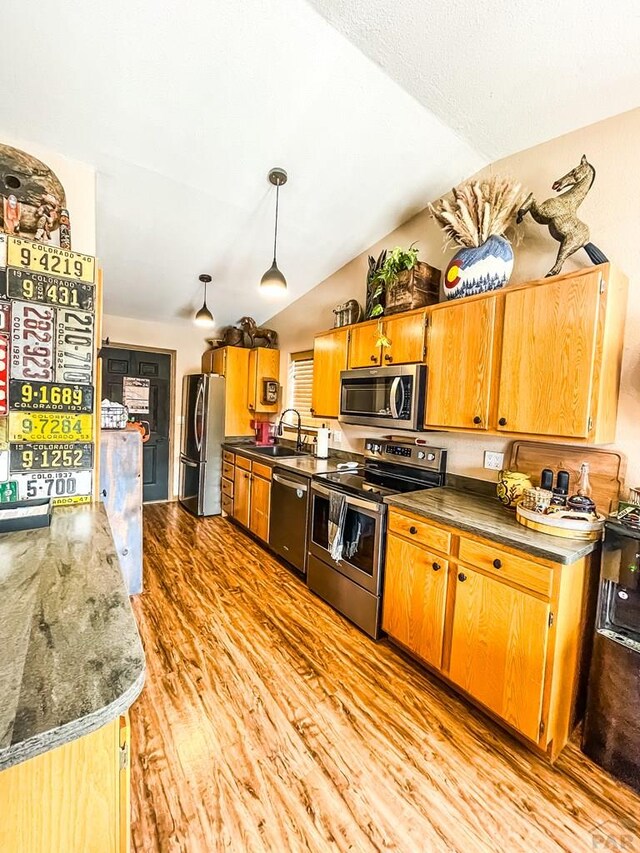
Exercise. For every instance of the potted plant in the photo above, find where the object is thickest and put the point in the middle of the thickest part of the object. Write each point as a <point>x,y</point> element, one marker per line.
<point>478,218</point>
<point>408,282</point>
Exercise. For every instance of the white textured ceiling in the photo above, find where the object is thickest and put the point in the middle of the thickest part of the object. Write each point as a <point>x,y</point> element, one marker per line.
<point>184,107</point>
<point>503,75</point>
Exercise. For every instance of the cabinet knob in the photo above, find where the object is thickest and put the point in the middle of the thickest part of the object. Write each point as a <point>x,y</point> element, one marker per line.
<point>436,567</point>
<point>104,493</point>
<point>125,551</point>
<point>388,357</point>
<point>462,577</point>
<point>502,421</point>
<point>477,419</point>
<point>373,358</point>
<point>497,564</point>
<point>413,530</point>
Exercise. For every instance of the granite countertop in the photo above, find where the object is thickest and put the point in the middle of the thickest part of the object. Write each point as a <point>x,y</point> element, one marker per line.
<point>306,465</point>
<point>71,657</point>
<point>486,517</point>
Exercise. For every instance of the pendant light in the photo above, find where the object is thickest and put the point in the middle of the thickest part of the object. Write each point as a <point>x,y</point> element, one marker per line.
<point>273,283</point>
<point>204,317</point>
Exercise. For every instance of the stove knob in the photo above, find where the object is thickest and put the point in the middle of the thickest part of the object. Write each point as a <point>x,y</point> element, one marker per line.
<point>421,454</point>
<point>431,457</point>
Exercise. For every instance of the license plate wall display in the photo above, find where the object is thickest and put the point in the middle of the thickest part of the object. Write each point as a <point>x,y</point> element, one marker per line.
<point>47,355</point>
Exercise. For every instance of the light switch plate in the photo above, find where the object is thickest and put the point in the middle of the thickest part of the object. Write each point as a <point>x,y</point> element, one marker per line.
<point>494,460</point>
<point>336,435</point>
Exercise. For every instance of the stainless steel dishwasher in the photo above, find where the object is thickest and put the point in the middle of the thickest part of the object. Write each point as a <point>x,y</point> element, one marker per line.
<point>288,518</point>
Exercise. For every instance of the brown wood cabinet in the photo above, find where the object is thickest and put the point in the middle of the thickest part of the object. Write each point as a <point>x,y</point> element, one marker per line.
<point>415,598</point>
<point>461,361</point>
<point>329,358</point>
<point>233,364</point>
<point>260,504</point>
<point>264,363</point>
<point>406,336</point>
<point>510,630</point>
<point>241,495</point>
<point>248,495</point>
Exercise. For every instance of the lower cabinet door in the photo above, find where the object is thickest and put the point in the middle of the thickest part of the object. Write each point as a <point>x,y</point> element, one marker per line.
<point>415,591</point>
<point>260,499</point>
<point>499,647</point>
<point>241,493</point>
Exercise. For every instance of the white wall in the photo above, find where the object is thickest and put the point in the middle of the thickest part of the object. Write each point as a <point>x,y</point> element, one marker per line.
<point>185,340</point>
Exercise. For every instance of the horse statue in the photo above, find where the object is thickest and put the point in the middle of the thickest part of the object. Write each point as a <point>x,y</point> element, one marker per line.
<point>254,332</point>
<point>559,214</point>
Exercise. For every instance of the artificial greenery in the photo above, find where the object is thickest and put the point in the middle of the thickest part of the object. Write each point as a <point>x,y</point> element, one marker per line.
<point>396,262</point>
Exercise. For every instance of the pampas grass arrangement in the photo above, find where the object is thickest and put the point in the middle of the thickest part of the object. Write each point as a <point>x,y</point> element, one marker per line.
<point>479,209</point>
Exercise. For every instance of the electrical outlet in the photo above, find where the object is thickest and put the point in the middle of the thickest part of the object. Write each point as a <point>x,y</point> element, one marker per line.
<point>336,435</point>
<point>493,460</point>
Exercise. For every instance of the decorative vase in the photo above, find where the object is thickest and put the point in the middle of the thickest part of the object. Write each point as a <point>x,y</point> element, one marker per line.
<point>511,487</point>
<point>478,270</point>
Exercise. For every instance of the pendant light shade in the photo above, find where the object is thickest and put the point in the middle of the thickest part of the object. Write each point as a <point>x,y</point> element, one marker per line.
<point>204,317</point>
<point>273,283</point>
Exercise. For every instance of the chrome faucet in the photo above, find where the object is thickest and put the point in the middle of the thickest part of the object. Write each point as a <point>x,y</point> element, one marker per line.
<point>299,444</point>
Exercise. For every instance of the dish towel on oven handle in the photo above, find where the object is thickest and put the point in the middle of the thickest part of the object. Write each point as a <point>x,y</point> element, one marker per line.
<point>351,537</point>
<point>337,515</point>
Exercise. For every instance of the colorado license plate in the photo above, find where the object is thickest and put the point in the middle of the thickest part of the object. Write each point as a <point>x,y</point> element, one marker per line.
<point>4,433</point>
<point>64,487</point>
<point>74,346</point>
<point>36,287</point>
<point>49,396</point>
<point>5,317</point>
<point>38,257</point>
<point>4,374</point>
<point>4,465</point>
<point>50,457</point>
<point>8,492</point>
<point>49,426</point>
<point>32,330</point>
<point>3,250</point>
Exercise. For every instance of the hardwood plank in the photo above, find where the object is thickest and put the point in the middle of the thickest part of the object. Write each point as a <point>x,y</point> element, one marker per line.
<point>270,723</point>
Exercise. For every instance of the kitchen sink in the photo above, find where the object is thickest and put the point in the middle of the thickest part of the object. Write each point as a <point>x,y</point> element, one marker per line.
<point>277,451</point>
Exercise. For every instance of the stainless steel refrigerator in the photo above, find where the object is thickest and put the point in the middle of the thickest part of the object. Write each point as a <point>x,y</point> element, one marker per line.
<point>202,436</point>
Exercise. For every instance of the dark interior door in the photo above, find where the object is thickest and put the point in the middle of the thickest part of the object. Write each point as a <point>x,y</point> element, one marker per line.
<point>156,367</point>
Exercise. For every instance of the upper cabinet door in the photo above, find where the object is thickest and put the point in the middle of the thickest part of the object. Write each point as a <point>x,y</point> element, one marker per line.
<point>329,358</point>
<point>460,362</point>
<point>548,357</point>
<point>406,337</point>
<point>364,350</point>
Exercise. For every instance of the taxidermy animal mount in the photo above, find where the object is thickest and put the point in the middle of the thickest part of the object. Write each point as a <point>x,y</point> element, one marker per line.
<point>559,214</point>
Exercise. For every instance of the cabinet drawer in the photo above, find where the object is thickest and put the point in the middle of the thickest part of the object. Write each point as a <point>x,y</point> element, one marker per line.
<point>227,487</point>
<point>228,457</point>
<point>519,570</point>
<point>243,462</point>
<point>228,470</point>
<point>420,531</point>
<point>261,470</point>
<point>227,504</point>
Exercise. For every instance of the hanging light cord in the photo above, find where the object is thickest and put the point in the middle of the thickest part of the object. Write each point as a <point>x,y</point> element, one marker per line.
<point>205,295</point>
<point>275,236</point>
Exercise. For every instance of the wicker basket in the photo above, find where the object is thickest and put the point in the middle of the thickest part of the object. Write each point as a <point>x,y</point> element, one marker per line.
<point>113,416</point>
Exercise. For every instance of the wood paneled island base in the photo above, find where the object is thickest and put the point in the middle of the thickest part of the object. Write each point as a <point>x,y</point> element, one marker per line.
<point>269,723</point>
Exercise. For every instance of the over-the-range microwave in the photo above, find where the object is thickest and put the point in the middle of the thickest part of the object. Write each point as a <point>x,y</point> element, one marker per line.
<point>384,396</point>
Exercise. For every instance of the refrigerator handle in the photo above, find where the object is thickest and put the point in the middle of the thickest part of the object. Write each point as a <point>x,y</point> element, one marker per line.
<point>198,436</point>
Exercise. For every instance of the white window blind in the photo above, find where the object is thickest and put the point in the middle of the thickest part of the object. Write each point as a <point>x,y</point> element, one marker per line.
<point>301,382</point>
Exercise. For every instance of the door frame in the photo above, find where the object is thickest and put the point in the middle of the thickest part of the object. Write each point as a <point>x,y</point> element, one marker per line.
<point>172,419</point>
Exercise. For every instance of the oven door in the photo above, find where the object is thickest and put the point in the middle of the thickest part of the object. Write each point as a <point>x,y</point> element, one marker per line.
<point>363,538</point>
<point>384,397</point>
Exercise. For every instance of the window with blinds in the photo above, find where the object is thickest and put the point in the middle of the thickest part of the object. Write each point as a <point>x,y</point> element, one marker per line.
<point>300,382</point>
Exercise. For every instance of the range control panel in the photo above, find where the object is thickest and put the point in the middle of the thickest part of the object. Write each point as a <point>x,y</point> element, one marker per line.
<point>406,453</point>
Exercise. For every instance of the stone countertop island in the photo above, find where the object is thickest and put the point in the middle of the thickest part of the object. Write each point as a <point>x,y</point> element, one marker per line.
<point>71,657</point>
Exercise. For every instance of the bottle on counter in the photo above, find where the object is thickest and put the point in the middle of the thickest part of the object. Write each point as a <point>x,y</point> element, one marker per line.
<point>582,501</point>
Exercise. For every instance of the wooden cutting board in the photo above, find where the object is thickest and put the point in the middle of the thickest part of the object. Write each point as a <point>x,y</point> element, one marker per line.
<point>607,468</point>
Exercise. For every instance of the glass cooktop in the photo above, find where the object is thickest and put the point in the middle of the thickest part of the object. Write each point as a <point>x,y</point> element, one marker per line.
<point>375,483</point>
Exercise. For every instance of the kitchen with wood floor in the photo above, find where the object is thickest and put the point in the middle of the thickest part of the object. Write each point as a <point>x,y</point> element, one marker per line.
<point>320,429</point>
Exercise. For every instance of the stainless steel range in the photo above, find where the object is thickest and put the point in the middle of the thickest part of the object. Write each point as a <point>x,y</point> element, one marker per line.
<point>353,582</point>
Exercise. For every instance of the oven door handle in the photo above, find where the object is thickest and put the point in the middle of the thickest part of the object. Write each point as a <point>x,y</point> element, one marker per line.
<point>393,395</point>
<point>351,501</point>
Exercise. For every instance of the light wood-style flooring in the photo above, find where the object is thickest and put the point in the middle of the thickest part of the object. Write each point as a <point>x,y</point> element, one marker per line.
<point>269,723</point>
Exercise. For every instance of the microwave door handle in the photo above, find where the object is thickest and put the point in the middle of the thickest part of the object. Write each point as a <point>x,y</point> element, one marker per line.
<point>393,397</point>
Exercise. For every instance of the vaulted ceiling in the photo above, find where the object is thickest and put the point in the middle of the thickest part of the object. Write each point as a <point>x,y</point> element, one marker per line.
<point>183,108</point>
